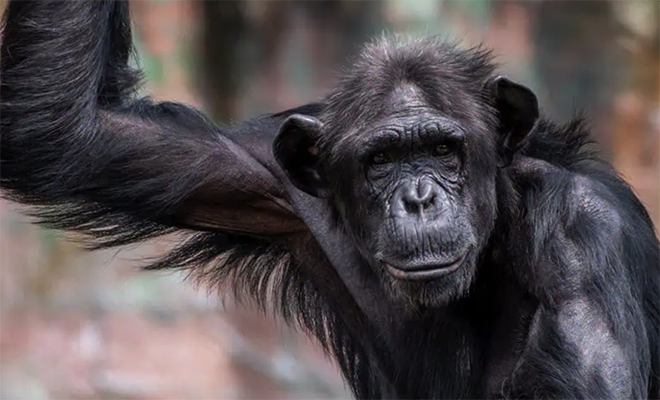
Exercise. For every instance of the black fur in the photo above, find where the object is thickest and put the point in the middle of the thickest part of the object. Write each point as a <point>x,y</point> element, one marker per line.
<point>564,298</point>
<point>87,155</point>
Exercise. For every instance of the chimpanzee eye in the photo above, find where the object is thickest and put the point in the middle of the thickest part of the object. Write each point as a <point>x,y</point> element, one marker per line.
<point>380,158</point>
<point>442,150</point>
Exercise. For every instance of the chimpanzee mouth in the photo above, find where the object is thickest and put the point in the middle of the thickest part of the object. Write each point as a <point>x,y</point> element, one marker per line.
<point>425,270</point>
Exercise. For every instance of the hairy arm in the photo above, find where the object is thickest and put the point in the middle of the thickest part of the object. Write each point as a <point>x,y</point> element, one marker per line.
<point>89,155</point>
<point>84,153</point>
<point>593,269</point>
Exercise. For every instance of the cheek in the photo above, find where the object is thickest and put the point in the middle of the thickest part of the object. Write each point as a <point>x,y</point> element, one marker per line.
<point>368,206</point>
<point>363,211</point>
<point>354,197</point>
<point>483,206</point>
<point>480,186</point>
<point>379,181</point>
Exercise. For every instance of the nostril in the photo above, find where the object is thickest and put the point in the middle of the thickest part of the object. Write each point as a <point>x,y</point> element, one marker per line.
<point>419,200</point>
<point>412,203</point>
<point>428,202</point>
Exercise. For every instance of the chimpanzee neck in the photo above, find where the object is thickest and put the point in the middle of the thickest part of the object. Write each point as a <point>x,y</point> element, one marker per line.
<point>433,354</point>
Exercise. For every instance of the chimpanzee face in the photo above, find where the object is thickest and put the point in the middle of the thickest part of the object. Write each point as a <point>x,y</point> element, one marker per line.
<point>410,168</point>
<point>416,190</point>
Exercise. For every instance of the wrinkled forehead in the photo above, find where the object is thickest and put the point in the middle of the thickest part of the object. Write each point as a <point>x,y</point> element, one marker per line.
<point>406,96</point>
<point>408,106</point>
<point>409,112</point>
<point>449,100</point>
<point>414,104</point>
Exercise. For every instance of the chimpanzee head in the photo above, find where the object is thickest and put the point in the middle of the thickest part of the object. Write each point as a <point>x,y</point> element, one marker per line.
<point>408,152</point>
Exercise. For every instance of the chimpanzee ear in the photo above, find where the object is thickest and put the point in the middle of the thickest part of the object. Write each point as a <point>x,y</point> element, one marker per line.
<point>518,113</point>
<point>295,149</point>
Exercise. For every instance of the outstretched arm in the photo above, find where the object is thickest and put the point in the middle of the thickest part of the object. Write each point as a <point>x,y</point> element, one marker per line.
<point>85,154</point>
<point>88,155</point>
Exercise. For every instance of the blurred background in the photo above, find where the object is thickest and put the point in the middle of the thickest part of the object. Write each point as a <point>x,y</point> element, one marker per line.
<point>75,325</point>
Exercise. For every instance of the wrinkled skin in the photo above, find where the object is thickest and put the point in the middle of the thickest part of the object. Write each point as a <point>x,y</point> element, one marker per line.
<point>415,186</point>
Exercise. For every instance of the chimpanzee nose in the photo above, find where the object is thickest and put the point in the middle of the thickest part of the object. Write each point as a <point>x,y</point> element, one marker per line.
<point>419,198</point>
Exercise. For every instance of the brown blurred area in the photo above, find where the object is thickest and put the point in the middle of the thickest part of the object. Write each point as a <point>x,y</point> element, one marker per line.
<point>80,325</point>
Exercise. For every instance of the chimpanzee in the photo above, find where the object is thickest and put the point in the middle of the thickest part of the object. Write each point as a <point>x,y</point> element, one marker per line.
<point>437,235</point>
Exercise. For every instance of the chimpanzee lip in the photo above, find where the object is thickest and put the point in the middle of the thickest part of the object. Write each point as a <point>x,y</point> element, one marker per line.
<point>425,271</point>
